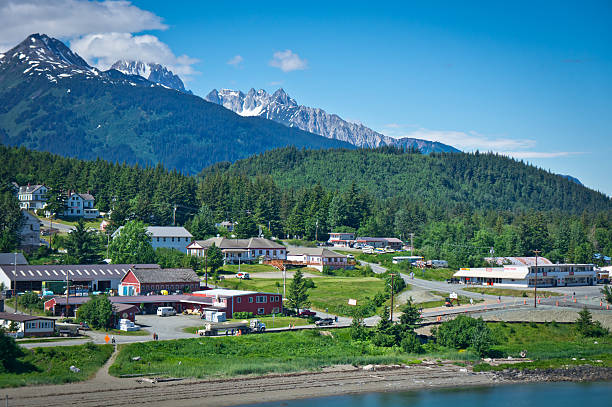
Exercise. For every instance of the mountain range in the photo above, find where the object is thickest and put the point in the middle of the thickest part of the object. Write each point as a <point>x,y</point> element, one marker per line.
<point>152,72</point>
<point>281,108</point>
<point>52,100</point>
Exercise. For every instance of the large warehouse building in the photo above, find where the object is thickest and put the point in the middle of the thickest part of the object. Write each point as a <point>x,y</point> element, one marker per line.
<point>548,275</point>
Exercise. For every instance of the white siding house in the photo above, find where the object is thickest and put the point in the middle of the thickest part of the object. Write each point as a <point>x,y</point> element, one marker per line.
<point>32,197</point>
<point>81,206</point>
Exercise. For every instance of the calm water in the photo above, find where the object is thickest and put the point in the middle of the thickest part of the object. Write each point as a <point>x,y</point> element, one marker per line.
<point>522,395</point>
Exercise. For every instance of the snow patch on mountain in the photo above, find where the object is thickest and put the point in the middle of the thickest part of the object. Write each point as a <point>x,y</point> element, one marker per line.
<point>152,72</point>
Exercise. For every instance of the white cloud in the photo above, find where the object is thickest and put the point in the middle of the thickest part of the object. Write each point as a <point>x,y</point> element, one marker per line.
<point>67,19</point>
<point>471,141</point>
<point>288,61</point>
<point>235,60</point>
<point>102,50</point>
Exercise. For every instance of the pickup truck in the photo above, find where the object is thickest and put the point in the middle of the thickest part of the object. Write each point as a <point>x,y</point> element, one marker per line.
<point>307,313</point>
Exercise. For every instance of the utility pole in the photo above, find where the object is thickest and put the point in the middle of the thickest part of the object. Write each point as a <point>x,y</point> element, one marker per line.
<point>392,275</point>
<point>284,281</point>
<point>206,267</point>
<point>67,294</point>
<point>535,285</point>
<point>317,231</point>
<point>174,215</point>
<point>411,243</point>
<point>15,282</point>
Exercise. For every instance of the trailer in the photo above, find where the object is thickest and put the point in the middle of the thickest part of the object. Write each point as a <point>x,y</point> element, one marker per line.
<point>232,328</point>
<point>64,329</point>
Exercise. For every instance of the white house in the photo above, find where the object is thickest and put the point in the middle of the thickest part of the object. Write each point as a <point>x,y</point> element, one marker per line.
<point>81,206</point>
<point>28,325</point>
<point>240,250</point>
<point>316,257</point>
<point>345,239</point>
<point>32,197</point>
<point>29,232</point>
<point>547,275</point>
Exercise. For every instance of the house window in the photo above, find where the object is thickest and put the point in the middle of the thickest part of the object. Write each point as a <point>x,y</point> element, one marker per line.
<point>250,299</point>
<point>238,300</point>
<point>261,311</point>
<point>275,310</point>
<point>261,299</point>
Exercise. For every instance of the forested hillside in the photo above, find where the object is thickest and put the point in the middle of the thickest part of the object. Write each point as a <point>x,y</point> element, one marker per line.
<point>480,181</point>
<point>455,231</point>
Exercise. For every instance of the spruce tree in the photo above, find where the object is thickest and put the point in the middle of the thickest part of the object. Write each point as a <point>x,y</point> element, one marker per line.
<point>297,296</point>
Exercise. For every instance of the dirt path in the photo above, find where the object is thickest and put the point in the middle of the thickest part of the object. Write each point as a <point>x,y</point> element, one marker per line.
<point>337,381</point>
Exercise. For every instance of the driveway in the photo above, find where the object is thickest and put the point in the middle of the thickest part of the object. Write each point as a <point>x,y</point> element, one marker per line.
<point>59,226</point>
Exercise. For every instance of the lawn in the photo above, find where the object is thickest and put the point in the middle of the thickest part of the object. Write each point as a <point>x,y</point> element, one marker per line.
<point>249,268</point>
<point>276,322</point>
<point>251,354</point>
<point>331,293</point>
<point>433,274</point>
<point>51,365</point>
<point>89,223</point>
<point>119,332</point>
<point>509,292</point>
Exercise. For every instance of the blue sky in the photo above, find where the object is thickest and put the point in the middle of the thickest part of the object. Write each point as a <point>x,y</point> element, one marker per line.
<point>530,80</point>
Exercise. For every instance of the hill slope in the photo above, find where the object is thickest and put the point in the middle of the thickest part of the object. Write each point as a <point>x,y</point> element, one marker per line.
<point>485,181</point>
<point>52,100</point>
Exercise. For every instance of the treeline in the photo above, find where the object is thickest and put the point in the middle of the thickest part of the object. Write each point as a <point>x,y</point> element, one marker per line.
<point>452,229</point>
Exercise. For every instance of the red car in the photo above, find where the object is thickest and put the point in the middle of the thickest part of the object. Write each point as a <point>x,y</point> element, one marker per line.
<point>307,313</point>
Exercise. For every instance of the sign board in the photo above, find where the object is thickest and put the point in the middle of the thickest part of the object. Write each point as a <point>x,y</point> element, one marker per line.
<point>453,295</point>
<point>352,301</point>
<point>106,338</point>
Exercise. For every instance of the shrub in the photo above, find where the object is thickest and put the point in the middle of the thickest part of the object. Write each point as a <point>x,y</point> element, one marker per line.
<point>411,344</point>
<point>587,327</point>
<point>464,332</point>
<point>243,315</point>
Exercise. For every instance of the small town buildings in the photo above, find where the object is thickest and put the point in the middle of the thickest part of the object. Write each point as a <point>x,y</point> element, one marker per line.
<point>81,206</point>
<point>343,239</point>
<point>97,277</point>
<point>243,301</point>
<point>140,281</point>
<point>28,325</point>
<point>29,234</point>
<point>227,225</point>
<point>124,311</point>
<point>32,197</point>
<point>240,250</point>
<point>169,237</point>
<point>316,257</point>
<point>414,260</point>
<point>547,275</point>
<point>380,242</point>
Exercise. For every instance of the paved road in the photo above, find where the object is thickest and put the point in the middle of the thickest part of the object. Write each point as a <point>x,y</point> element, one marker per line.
<point>59,226</point>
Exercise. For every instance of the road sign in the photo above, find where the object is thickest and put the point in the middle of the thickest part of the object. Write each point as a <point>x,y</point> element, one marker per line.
<point>453,295</point>
<point>352,301</point>
<point>106,339</point>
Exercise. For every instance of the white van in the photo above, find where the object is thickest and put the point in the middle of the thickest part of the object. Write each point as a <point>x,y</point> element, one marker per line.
<point>165,311</point>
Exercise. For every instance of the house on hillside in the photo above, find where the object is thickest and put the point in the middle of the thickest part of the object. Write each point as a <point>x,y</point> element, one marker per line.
<point>138,281</point>
<point>29,234</point>
<point>316,257</point>
<point>240,250</point>
<point>81,206</point>
<point>227,225</point>
<point>32,197</point>
<point>28,325</point>
<point>169,237</point>
<point>345,239</point>
<point>380,242</point>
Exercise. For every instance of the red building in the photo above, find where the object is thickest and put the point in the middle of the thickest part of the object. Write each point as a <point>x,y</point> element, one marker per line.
<point>139,281</point>
<point>244,301</point>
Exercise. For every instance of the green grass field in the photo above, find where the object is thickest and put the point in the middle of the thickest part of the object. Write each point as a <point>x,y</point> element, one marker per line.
<point>90,223</point>
<point>509,292</point>
<point>119,332</point>
<point>276,322</point>
<point>331,293</point>
<point>52,365</point>
<point>251,354</point>
<point>434,274</point>
<point>249,268</point>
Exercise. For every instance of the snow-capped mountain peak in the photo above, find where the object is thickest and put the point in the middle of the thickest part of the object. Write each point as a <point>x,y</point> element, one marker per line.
<point>280,107</point>
<point>152,72</point>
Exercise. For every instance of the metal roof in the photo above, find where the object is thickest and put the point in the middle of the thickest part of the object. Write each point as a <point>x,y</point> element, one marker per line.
<point>493,272</point>
<point>157,275</point>
<point>139,299</point>
<point>20,317</point>
<point>58,272</point>
<point>9,259</point>
<point>313,251</point>
<point>251,243</point>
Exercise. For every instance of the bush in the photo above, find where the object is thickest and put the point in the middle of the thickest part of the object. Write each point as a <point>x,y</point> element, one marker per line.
<point>243,315</point>
<point>464,332</point>
<point>97,312</point>
<point>9,352</point>
<point>309,283</point>
<point>411,344</point>
<point>587,327</point>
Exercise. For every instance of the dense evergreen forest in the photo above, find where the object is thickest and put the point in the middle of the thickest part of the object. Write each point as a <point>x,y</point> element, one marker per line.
<point>447,214</point>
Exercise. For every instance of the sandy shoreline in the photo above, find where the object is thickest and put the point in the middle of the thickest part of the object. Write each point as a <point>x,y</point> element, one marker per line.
<point>106,391</point>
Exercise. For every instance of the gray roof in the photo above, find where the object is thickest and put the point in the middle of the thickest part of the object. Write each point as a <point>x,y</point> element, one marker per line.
<point>140,299</point>
<point>82,272</point>
<point>251,243</point>
<point>86,197</point>
<point>9,258</point>
<point>313,251</point>
<point>27,189</point>
<point>162,231</point>
<point>20,317</point>
<point>166,275</point>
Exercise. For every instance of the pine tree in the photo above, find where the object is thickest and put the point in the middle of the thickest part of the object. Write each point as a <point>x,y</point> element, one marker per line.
<point>214,258</point>
<point>82,245</point>
<point>297,296</point>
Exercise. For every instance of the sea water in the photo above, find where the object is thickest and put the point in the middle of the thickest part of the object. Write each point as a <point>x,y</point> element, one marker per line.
<point>507,395</point>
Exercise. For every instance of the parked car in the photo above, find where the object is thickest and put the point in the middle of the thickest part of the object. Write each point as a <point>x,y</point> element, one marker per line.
<point>84,326</point>
<point>452,280</point>
<point>243,276</point>
<point>307,313</point>
<point>324,321</point>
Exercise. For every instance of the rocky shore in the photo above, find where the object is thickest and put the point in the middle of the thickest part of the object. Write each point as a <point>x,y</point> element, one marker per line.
<point>582,373</point>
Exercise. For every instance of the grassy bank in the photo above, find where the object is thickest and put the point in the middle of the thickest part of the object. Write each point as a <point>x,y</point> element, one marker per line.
<point>52,365</point>
<point>119,332</point>
<point>276,322</point>
<point>330,293</point>
<point>509,292</point>
<point>250,354</point>
<point>249,268</point>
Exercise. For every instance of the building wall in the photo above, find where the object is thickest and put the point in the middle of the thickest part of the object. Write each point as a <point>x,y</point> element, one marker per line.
<point>252,303</point>
<point>178,243</point>
<point>38,327</point>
